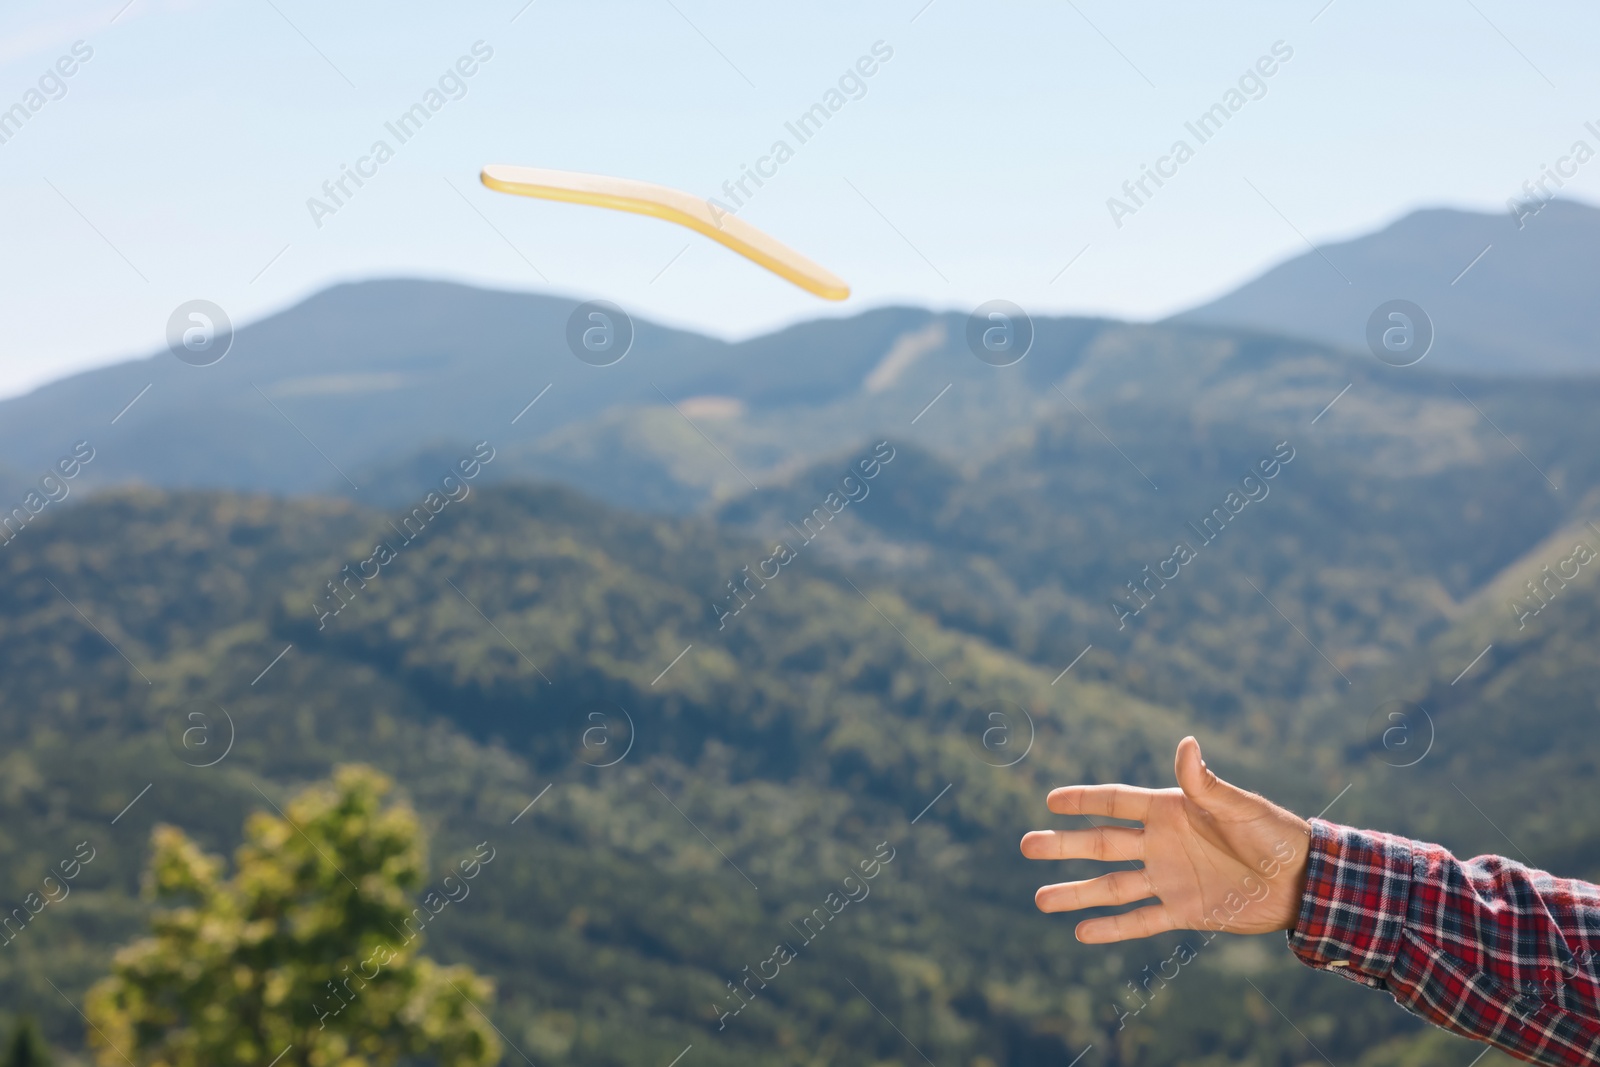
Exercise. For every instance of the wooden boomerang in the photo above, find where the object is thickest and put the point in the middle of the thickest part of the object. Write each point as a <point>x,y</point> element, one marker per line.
<point>645,198</point>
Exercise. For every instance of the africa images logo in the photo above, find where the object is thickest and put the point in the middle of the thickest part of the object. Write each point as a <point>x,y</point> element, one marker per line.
<point>199,333</point>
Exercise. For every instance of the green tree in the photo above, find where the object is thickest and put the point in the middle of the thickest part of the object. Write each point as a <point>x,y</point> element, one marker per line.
<point>308,951</point>
<point>27,1048</point>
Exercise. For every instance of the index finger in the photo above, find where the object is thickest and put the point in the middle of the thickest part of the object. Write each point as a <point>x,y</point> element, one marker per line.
<point>1115,801</point>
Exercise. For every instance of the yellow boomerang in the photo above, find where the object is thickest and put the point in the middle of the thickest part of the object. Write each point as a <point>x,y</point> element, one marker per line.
<point>674,205</point>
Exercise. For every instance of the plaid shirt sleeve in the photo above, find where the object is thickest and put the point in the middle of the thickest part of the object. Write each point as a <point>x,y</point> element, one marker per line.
<point>1485,948</point>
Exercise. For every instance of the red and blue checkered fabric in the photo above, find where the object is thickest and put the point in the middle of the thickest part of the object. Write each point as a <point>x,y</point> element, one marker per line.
<point>1485,947</point>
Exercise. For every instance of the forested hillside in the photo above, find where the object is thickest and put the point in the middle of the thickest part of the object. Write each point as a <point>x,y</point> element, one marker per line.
<point>725,795</point>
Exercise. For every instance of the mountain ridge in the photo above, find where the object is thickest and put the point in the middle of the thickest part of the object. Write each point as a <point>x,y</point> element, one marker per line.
<point>1507,296</point>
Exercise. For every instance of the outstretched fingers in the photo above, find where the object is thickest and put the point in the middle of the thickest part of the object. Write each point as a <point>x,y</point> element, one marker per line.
<point>1140,922</point>
<point>1111,843</point>
<point>1108,890</point>
<point>1115,801</point>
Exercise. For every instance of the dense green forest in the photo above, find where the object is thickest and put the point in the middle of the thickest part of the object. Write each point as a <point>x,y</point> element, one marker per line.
<point>803,737</point>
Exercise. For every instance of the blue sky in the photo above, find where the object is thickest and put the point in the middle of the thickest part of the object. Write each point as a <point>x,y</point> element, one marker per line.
<point>976,165</point>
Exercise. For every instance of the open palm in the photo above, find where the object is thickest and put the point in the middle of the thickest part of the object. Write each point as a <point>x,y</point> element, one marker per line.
<point>1215,856</point>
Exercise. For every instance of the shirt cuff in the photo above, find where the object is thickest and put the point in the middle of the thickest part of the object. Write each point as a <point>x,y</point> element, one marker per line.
<point>1358,887</point>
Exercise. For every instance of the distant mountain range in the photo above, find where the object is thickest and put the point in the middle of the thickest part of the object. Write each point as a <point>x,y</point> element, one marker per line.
<point>1506,298</point>
<point>344,389</point>
<point>1047,486</point>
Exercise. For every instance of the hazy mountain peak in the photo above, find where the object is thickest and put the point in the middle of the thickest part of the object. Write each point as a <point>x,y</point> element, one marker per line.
<point>1506,295</point>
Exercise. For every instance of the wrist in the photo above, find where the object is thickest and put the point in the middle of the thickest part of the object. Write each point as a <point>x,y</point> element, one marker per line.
<point>1353,906</point>
<point>1298,875</point>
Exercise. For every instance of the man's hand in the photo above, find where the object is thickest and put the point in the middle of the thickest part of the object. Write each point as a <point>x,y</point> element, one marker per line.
<point>1216,856</point>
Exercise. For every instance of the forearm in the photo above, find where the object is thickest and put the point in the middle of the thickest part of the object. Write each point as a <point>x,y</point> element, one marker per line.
<point>1485,948</point>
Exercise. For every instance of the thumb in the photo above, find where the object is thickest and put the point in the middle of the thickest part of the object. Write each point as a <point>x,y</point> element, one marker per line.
<point>1202,786</point>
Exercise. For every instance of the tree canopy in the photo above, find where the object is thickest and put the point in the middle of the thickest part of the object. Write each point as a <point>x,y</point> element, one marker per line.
<point>307,954</point>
